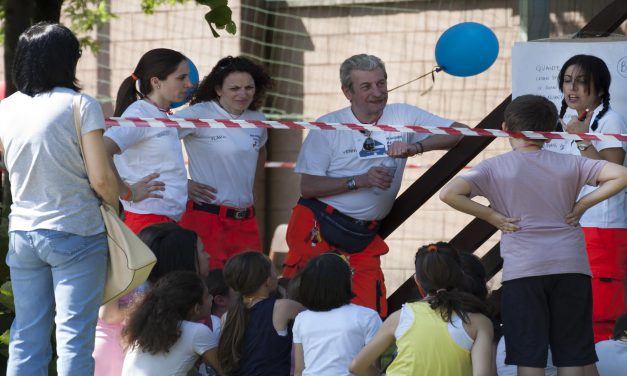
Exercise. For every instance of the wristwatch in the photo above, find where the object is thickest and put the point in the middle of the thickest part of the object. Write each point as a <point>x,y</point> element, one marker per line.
<point>583,145</point>
<point>351,185</point>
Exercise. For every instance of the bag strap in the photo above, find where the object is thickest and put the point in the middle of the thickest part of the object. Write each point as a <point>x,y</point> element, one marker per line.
<point>76,107</point>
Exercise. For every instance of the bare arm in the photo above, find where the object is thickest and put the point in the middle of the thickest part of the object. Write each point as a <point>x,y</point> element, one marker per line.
<point>299,359</point>
<point>111,313</point>
<point>101,176</point>
<point>146,187</point>
<point>442,142</point>
<point>612,179</point>
<point>614,155</point>
<point>284,311</point>
<point>456,193</point>
<point>211,357</point>
<point>482,349</point>
<point>320,186</point>
<point>363,363</point>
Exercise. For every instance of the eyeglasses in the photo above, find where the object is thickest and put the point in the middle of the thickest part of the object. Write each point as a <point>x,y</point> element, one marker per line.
<point>368,144</point>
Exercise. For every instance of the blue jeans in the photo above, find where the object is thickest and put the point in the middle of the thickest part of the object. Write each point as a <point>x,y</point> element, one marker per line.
<point>46,267</point>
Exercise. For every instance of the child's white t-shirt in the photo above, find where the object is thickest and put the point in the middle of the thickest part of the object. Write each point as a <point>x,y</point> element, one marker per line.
<point>331,339</point>
<point>194,341</point>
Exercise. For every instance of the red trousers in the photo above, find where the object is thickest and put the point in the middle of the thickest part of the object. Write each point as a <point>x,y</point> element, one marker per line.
<point>221,236</point>
<point>137,222</point>
<point>607,253</point>
<point>368,281</point>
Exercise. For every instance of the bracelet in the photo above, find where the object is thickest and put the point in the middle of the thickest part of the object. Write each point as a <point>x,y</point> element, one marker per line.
<point>422,148</point>
<point>128,196</point>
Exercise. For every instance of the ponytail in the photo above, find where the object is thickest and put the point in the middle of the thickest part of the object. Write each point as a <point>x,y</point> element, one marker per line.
<point>439,273</point>
<point>159,63</point>
<point>231,342</point>
<point>559,127</point>
<point>448,301</point>
<point>127,94</point>
<point>245,273</point>
<point>606,107</point>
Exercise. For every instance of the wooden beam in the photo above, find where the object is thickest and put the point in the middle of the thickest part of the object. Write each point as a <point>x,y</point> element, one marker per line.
<point>603,23</point>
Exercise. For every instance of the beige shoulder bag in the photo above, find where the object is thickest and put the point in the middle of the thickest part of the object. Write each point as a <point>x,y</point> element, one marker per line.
<point>130,260</point>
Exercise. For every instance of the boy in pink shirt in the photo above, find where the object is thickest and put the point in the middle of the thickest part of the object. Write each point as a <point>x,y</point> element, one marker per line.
<point>547,297</point>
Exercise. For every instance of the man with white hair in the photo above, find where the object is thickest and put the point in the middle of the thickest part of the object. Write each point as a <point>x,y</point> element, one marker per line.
<point>350,179</point>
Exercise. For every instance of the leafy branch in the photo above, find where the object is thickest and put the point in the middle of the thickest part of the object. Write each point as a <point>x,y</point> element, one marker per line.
<point>219,17</point>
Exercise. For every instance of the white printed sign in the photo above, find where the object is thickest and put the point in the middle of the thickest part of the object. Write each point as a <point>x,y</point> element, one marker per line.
<point>536,65</point>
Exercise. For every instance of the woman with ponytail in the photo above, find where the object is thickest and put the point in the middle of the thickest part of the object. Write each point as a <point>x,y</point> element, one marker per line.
<point>162,332</point>
<point>445,333</point>
<point>585,82</point>
<point>143,154</point>
<point>255,339</point>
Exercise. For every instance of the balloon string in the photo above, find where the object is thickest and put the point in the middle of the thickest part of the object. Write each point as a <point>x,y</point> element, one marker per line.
<point>432,73</point>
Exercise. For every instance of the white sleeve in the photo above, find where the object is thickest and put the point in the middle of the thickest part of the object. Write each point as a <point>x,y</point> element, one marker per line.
<point>612,122</point>
<point>186,113</point>
<point>316,153</point>
<point>373,322</point>
<point>296,335</point>
<point>204,339</point>
<point>126,137</point>
<point>92,117</point>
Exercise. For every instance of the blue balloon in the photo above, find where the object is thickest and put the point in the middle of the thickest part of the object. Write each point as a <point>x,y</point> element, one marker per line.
<point>193,77</point>
<point>466,49</point>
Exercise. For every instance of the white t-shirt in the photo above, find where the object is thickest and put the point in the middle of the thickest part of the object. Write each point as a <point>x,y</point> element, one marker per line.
<point>194,341</point>
<point>455,328</point>
<point>611,213</point>
<point>612,358</point>
<point>340,154</point>
<point>225,159</point>
<point>147,150</point>
<point>206,369</point>
<point>331,339</point>
<point>503,369</point>
<point>49,183</point>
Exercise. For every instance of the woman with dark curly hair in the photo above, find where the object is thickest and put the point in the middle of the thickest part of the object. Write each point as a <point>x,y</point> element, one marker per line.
<point>223,162</point>
<point>162,334</point>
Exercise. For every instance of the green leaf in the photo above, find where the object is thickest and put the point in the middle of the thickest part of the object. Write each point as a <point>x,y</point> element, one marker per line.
<point>6,296</point>
<point>213,3</point>
<point>231,28</point>
<point>219,16</point>
<point>4,338</point>
<point>213,31</point>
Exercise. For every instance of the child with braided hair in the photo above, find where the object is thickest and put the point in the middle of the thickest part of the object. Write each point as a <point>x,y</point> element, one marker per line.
<point>446,333</point>
<point>585,81</point>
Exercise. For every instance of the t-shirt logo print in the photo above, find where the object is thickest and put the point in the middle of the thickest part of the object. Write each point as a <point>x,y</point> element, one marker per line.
<point>379,149</point>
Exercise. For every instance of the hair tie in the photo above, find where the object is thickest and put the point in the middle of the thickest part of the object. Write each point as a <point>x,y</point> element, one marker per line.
<point>432,248</point>
<point>134,77</point>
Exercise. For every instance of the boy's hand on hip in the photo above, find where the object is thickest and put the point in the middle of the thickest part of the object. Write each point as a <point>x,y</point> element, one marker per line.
<point>574,216</point>
<point>503,223</point>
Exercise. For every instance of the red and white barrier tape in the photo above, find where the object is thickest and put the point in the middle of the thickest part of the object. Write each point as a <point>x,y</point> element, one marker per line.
<point>274,124</point>
<point>289,165</point>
